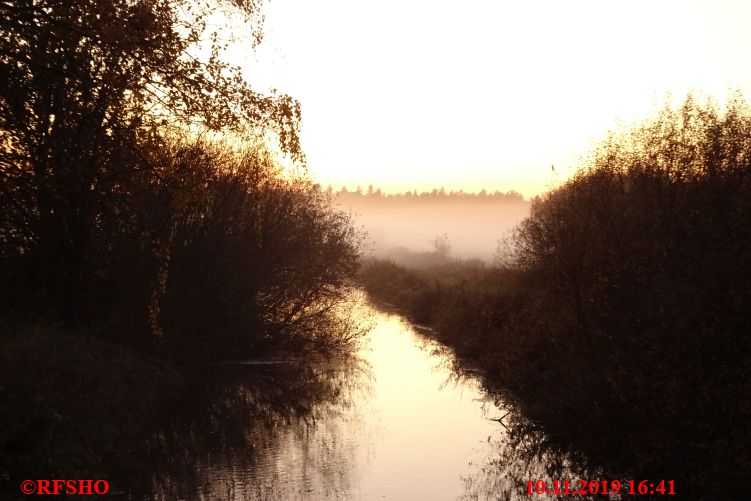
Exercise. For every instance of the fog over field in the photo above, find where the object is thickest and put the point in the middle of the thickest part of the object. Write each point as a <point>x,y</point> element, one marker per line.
<point>473,223</point>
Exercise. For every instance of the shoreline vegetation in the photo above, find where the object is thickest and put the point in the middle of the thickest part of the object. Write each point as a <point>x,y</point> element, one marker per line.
<point>75,406</point>
<point>617,313</point>
<point>148,227</point>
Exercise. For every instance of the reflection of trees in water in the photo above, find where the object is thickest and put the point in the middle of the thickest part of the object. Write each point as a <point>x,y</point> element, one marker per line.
<point>522,452</point>
<point>279,431</point>
<point>459,372</point>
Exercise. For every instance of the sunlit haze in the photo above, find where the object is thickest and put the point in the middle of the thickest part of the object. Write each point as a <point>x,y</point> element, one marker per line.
<point>358,249</point>
<point>485,94</point>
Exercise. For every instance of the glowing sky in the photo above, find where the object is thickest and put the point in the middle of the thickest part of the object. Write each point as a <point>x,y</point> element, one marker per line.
<point>487,94</point>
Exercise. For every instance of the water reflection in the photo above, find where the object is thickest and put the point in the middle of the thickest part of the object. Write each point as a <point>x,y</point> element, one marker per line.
<point>401,419</point>
<point>276,431</point>
<point>522,453</point>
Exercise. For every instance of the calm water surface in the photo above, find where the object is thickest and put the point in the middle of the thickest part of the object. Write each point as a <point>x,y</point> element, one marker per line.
<point>396,421</point>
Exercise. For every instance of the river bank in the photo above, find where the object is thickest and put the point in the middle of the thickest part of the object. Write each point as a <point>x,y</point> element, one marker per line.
<point>617,423</point>
<point>75,406</point>
<point>393,420</point>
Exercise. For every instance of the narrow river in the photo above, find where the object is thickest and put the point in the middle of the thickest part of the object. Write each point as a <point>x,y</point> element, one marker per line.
<point>397,421</point>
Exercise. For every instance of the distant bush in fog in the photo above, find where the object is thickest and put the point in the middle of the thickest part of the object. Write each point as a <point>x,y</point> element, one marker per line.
<point>411,220</point>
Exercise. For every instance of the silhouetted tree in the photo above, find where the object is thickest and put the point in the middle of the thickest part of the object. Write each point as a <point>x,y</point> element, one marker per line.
<point>85,87</point>
<point>441,246</point>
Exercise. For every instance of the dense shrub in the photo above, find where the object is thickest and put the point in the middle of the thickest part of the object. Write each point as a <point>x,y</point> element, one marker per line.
<point>247,253</point>
<point>643,260</point>
<point>622,327</point>
<point>216,247</point>
<point>116,213</point>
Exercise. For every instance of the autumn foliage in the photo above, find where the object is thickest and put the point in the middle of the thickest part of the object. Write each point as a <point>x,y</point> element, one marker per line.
<point>138,187</point>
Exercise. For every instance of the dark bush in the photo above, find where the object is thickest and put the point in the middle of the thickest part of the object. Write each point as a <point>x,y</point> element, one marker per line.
<point>622,328</point>
<point>643,260</point>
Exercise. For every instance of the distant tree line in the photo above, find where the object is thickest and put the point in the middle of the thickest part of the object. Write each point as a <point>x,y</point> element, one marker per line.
<point>375,195</point>
<point>619,316</point>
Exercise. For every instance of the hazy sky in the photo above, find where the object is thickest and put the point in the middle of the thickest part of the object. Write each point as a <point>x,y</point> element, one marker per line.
<point>486,94</point>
